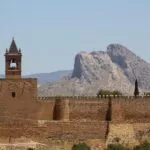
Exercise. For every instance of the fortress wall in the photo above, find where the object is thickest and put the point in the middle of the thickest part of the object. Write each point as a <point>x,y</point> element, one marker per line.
<point>117,107</point>
<point>46,109</point>
<point>61,110</point>
<point>78,129</point>
<point>57,130</point>
<point>88,109</point>
<point>91,97</point>
<point>123,109</point>
<point>141,126</point>
<point>129,133</point>
<point>142,130</point>
<point>53,108</point>
<point>73,109</point>
<point>34,118</point>
<point>23,88</point>
<point>23,103</point>
<point>7,122</point>
<point>17,127</point>
<point>131,110</point>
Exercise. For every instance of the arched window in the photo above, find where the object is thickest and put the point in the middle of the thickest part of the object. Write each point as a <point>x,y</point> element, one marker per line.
<point>13,63</point>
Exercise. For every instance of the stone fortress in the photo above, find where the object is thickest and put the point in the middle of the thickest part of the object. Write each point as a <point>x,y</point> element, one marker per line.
<point>59,122</point>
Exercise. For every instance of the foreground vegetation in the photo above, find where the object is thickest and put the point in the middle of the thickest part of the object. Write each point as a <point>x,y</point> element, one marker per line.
<point>80,146</point>
<point>116,147</point>
<point>144,146</point>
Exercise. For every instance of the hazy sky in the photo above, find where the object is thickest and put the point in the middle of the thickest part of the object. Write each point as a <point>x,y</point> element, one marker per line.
<point>51,32</point>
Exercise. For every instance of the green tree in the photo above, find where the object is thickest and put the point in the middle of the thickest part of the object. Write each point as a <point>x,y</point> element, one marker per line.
<point>136,90</point>
<point>106,92</point>
<point>146,93</point>
<point>80,146</point>
<point>116,93</point>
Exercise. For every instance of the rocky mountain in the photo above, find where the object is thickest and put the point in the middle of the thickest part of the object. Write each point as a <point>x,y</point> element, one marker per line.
<point>115,69</point>
<point>131,65</point>
<point>49,77</point>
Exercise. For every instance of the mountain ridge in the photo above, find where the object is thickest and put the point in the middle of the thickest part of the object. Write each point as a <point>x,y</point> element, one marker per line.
<point>116,69</point>
<point>46,77</point>
<point>49,77</point>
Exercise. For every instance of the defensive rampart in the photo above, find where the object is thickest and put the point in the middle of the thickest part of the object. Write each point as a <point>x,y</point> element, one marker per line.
<point>72,117</point>
<point>131,110</point>
<point>117,109</point>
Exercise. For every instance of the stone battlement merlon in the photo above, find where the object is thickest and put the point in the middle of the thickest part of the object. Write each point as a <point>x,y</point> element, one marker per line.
<point>82,98</point>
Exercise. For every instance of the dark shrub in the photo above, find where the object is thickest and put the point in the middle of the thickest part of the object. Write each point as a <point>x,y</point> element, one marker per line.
<point>116,147</point>
<point>144,146</point>
<point>80,146</point>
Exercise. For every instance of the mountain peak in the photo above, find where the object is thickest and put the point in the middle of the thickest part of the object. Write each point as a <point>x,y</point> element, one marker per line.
<point>115,69</point>
<point>86,64</point>
<point>119,50</point>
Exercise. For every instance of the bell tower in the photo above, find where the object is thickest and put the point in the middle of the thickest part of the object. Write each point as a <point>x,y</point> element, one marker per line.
<point>13,61</point>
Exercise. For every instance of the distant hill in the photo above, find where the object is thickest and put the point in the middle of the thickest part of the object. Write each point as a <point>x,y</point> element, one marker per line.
<point>115,69</point>
<point>47,77</point>
<point>2,76</point>
<point>50,77</point>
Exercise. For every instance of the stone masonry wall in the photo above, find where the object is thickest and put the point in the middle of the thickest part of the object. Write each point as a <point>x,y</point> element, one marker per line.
<point>88,109</point>
<point>18,98</point>
<point>25,115</point>
<point>122,109</point>
<point>54,129</point>
<point>131,110</point>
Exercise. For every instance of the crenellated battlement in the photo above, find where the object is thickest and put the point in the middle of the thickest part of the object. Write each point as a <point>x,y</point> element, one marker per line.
<point>86,98</point>
<point>129,108</point>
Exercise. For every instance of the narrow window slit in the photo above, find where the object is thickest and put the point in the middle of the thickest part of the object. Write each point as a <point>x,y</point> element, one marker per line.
<point>13,94</point>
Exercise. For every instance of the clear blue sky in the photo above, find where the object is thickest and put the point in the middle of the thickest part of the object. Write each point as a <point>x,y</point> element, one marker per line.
<point>51,32</point>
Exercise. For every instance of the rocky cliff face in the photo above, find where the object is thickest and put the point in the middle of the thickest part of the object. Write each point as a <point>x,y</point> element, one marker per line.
<point>131,65</point>
<point>115,69</point>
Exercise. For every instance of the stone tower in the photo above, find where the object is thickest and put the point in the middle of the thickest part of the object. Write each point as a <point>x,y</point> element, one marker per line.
<point>18,95</point>
<point>13,62</point>
<point>61,110</point>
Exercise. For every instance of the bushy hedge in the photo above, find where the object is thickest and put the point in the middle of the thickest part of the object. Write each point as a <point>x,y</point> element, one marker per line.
<point>106,92</point>
<point>146,93</point>
<point>80,146</point>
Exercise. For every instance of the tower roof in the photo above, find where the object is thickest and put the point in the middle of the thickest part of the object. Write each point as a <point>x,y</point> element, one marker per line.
<point>13,48</point>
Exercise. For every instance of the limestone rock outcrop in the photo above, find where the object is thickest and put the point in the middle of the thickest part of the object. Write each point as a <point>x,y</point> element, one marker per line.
<point>131,65</point>
<point>115,69</point>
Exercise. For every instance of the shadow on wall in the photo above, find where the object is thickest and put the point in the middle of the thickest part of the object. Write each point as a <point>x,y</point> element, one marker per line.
<point>109,111</point>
